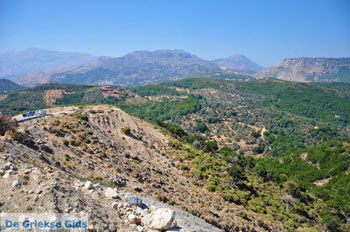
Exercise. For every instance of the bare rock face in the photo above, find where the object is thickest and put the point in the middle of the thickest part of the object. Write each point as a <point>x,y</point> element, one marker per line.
<point>309,69</point>
<point>161,219</point>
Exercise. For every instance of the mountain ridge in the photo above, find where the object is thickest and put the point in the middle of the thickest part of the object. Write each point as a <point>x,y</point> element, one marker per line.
<point>310,69</point>
<point>135,68</point>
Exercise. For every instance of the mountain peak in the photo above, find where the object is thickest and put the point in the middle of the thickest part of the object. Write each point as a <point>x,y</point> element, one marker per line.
<point>240,62</point>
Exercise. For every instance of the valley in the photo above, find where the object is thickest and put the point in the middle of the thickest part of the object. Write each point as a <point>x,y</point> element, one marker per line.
<point>230,152</point>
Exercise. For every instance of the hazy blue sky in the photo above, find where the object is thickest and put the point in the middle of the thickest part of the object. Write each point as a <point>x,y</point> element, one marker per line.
<point>265,31</point>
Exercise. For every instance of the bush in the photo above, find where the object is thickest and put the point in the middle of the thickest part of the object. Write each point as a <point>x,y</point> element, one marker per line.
<point>201,127</point>
<point>243,215</point>
<point>210,186</point>
<point>175,130</point>
<point>82,117</point>
<point>211,146</point>
<point>255,134</point>
<point>259,149</point>
<point>332,222</point>
<point>139,137</point>
<point>293,188</point>
<point>65,142</point>
<point>126,130</point>
<point>6,123</point>
<point>236,172</point>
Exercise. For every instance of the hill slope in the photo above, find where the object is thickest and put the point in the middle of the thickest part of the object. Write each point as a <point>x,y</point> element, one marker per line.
<point>7,86</point>
<point>310,69</point>
<point>18,63</point>
<point>234,192</point>
<point>105,145</point>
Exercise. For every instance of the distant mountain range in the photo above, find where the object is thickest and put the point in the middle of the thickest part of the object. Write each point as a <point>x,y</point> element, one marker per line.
<point>310,70</point>
<point>240,63</point>
<point>135,68</point>
<point>34,66</point>
<point>18,63</point>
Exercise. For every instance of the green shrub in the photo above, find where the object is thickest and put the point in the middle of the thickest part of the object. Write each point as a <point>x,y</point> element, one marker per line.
<point>65,142</point>
<point>201,127</point>
<point>126,130</point>
<point>211,146</point>
<point>82,117</point>
<point>236,172</point>
<point>259,149</point>
<point>211,186</point>
<point>255,134</point>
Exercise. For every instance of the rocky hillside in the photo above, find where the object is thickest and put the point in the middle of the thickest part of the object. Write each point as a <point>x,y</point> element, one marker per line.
<point>239,63</point>
<point>73,161</point>
<point>310,70</point>
<point>17,63</point>
<point>135,68</point>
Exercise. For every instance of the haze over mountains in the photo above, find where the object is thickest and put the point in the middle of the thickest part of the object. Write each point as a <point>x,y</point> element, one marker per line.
<point>35,66</point>
<point>17,63</point>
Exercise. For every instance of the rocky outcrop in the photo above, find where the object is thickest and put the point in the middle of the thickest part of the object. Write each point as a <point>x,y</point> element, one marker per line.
<point>309,69</point>
<point>47,189</point>
<point>51,95</point>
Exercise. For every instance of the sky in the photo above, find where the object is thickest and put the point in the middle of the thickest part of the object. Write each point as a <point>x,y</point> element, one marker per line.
<point>265,31</point>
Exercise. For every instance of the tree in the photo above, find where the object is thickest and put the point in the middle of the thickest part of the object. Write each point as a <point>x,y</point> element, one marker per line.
<point>259,149</point>
<point>211,146</point>
<point>236,172</point>
<point>201,127</point>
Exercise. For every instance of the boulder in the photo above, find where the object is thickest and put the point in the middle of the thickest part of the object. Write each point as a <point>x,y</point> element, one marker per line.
<point>88,185</point>
<point>160,219</point>
<point>115,205</point>
<point>7,166</point>
<point>27,171</point>
<point>16,184</point>
<point>133,219</point>
<point>139,228</point>
<point>6,176</point>
<point>134,200</point>
<point>111,193</point>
